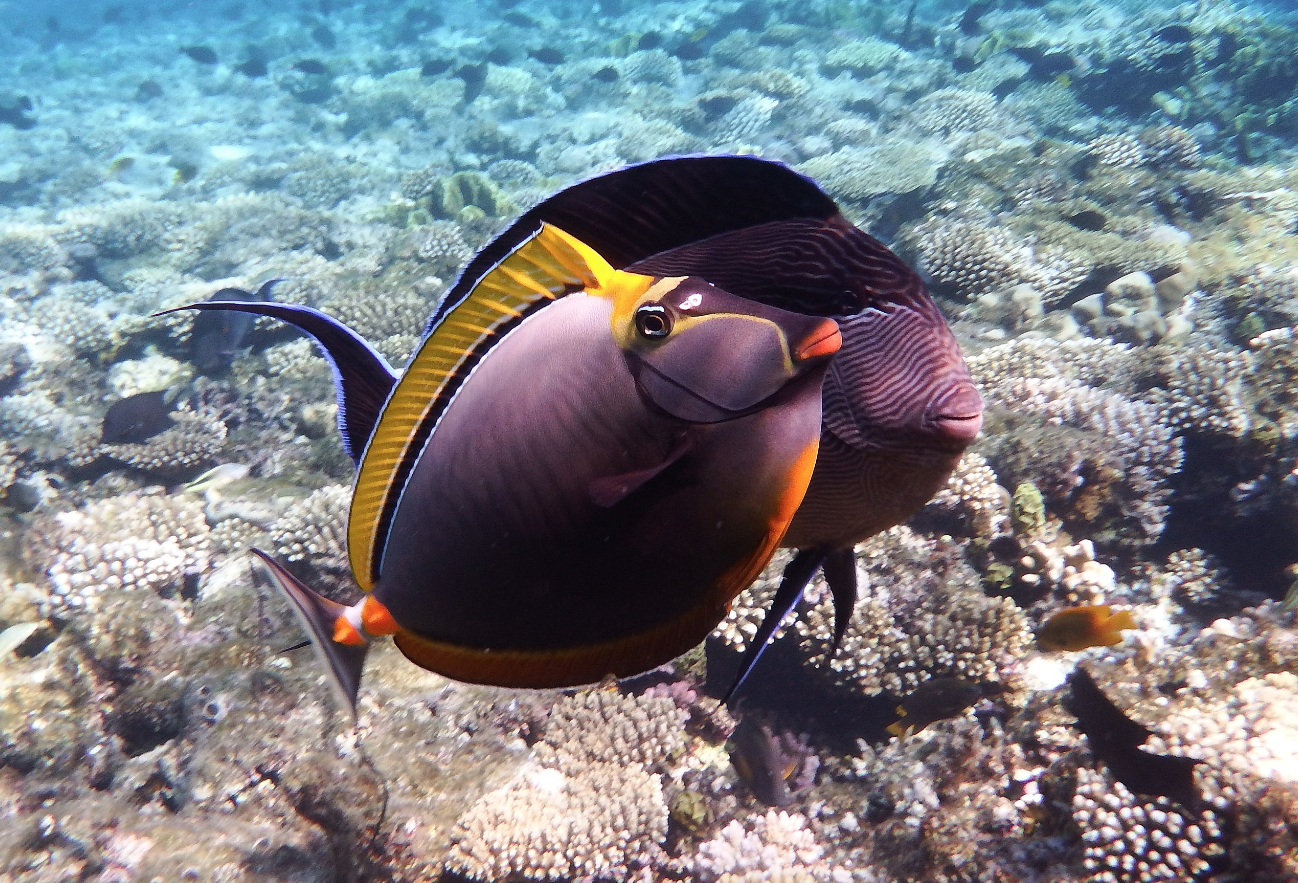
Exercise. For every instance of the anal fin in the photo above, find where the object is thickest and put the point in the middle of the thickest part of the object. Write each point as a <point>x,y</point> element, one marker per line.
<point>840,574</point>
<point>318,615</point>
<point>797,575</point>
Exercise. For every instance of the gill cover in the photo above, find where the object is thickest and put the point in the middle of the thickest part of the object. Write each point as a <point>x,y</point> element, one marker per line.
<point>705,355</point>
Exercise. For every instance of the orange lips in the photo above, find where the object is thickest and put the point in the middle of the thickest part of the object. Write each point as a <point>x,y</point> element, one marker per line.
<point>825,340</point>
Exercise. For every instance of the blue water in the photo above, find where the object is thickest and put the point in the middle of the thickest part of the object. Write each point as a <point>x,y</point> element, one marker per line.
<point>1102,198</point>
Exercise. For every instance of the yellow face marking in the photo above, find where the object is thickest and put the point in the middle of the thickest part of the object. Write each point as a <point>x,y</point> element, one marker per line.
<point>548,266</point>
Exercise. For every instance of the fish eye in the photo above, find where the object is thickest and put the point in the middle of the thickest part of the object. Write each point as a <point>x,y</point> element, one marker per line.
<point>653,321</point>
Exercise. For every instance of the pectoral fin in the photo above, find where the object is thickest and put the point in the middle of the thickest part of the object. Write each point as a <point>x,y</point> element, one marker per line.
<point>613,489</point>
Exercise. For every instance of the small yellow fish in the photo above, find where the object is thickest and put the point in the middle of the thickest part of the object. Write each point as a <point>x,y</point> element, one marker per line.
<point>1080,627</point>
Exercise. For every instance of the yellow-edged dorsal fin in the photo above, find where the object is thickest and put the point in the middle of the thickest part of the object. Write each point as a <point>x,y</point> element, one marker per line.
<point>548,265</point>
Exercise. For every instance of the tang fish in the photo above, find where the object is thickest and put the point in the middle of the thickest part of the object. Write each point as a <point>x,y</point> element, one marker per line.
<point>899,405</point>
<point>1116,739</point>
<point>216,337</point>
<point>576,472</point>
<point>1078,628</point>
<point>136,419</point>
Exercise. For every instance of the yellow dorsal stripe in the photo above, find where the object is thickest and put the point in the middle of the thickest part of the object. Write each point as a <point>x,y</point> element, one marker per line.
<point>547,266</point>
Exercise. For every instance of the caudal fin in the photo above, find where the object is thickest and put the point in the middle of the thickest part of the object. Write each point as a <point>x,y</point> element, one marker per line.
<point>318,615</point>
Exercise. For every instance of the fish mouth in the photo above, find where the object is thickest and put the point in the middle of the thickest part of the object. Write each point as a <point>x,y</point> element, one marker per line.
<point>825,340</point>
<point>959,414</point>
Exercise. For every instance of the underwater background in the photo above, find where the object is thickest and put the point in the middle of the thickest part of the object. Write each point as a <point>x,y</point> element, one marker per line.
<point>1103,197</point>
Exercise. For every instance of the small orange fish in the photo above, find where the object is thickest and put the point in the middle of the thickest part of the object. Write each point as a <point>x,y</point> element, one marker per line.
<point>1080,627</point>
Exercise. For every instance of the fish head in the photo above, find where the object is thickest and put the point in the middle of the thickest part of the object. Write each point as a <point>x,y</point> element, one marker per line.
<point>900,381</point>
<point>705,355</point>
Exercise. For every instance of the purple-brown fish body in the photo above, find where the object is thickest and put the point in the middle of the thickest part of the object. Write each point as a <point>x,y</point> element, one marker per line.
<point>899,405</point>
<point>575,474</point>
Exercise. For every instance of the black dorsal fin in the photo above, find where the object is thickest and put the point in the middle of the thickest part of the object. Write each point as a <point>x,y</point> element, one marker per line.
<point>632,213</point>
<point>362,377</point>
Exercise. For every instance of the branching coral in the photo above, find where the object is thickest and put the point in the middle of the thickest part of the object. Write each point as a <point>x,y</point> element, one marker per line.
<point>140,541</point>
<point>588,804</point>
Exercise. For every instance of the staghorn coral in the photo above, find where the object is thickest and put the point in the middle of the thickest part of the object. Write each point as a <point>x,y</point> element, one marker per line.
<point>858,173</point>
<point>314,530</point>
<point>972,259</point>
<point>588,804</point>
<point>774,846</point>
<point>1130,839</point>
<point>863,57</point>
<point>136,541</point>
<point>973,494</point>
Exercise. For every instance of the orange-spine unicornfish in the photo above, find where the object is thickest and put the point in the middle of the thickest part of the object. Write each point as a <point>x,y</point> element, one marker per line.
<point>575,474</point>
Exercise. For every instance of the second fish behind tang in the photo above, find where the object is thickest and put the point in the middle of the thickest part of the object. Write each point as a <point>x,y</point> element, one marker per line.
<point>575,474</point>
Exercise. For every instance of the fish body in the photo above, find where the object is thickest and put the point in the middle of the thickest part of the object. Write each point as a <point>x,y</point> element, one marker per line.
<point>1116,739</point>
<point>577,471</point>
<point>1078,628</point>
<point>136,419</point>
<point>216,337</point>
<point>934,700</point>
<point>765,762</point>
<point>200,54</point>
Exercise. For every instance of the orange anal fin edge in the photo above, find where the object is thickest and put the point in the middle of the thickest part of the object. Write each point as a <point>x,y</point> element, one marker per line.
<point>318,616</point>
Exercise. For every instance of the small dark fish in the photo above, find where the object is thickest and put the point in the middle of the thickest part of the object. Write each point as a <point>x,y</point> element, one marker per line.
<point>963,64</point>
<point>1088,219</point>
<point>311,66</point>
<point>217,336</point>
<point>717,105</point>
<point>974,12</point>
<point>201,54</point>
<point>772,766</point>
<point>548,55</point>
<point>16,114</point>
<point>474,77</point>
<point>324,37</point>
<point>435,67</point>
<point>522,19</point>
<point>934,700</point>
<point>147,90</point>
<point>651,40</point>
<point>1044,65</point>
<point>689,52</point>
<point>606,75</point>
<point>136,419</point>
<point>1116,740</point>
<point>1078,628</point>
<point>114,13</point>
<point>499,55</point>
<point>1174,34</point>
<point>253,67</point>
